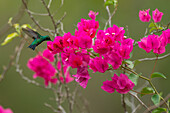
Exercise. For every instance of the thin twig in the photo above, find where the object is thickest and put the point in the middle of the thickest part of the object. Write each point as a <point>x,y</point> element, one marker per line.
<point>51,107</point>
<point>62,2</point>
<point>110,16</point>
<point>140,101</point>
<point>150,59</point>
<point>156,106</point>
<point>51,16</point>
<point>15,19</point>
<point>160,30</point>
<point>74,96</point>
<point>49,3</point>
<point>35,21</point>
<point>123,103</point>
<point>127,30</point>
<point>66,86</point>
<point>123,97</point>
<point>6,69</point>
<point>37,14</point>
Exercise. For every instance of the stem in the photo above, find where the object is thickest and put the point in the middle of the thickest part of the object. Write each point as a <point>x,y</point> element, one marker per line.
<point>140,101</point>
<point>149,80</point>
<point>123,97</point>
<point>155,26</point>
<point>123,103</point>
<point>143,93</point>
<point>158,94</point>
<point>154,65</point>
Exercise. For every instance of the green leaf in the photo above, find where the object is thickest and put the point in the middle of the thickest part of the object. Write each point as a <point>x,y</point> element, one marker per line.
<point>26,25</point>
<point>152,29</point>
<point>136,62</point>
<point>9,38</point>
<point>133,78</point>
<point>160,27</point>
<point>157,74</point>
<point>88,50</point>
<point>155,99</point>
<point>159,110</point>
<point>115,3</point>
<point>146,90</point>
<point>17,28</point>
<point>153,25</point>
<point>131,54</point>
<point>109,2</point>
<point>10,21</point>
<point>130,64</point>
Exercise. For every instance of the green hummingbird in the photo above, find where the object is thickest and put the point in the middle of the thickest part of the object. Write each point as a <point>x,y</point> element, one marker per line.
<point>38,39</point>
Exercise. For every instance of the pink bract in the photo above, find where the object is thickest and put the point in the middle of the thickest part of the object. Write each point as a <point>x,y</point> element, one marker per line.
<point>43,69</point>
<point>122,84</point>
<point>98,64</point>
<point>93,15</point>
<point>156,15</point>
<point>153,42</point>
<point>144,16</point>
<point>82,75</point>
<point>166,35</point>
<point>47,54</point>
<point>2,110</point>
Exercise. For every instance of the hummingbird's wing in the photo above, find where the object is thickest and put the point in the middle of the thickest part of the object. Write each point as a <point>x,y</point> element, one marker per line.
<point>31,33</point>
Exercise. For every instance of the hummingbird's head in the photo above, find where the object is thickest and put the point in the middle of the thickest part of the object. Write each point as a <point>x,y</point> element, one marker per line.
<point>48,38</point>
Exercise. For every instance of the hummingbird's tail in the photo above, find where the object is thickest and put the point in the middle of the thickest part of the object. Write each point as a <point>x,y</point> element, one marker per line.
<point>32,47</point>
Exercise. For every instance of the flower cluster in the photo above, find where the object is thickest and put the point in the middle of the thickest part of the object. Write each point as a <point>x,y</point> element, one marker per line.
<point>144,16</point>
<point>73,48</point>
<point>78,51</point>
<point>113,46</point>
<point>155,42</point>
<point>41,65</point>
<point>2,110</point>
<point>119,83</point>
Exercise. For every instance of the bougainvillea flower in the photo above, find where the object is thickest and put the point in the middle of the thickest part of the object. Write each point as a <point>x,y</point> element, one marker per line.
<point>116,32</point>
<point>100,47</point>
<point>82,75</point>
<point>143,44</point>
<point>84,40</point>
<point>153,42</point>
<point>122,84</point>
<point>114,59</point>
<point>98,64</point>
<point>144,16</point>
<point>88,26</point>
<point>156,15</point>
<point>68,78</point>
<point>108,86</point>
<point>43,69</point>
<point>166,34</point>
<point>75,60</point>
<point>2,110</point>
<point>47,54</point>
<point>124,51</point>
<point>93,15</point>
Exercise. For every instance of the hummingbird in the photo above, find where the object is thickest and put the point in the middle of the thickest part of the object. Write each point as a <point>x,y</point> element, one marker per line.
<point>38,39</point>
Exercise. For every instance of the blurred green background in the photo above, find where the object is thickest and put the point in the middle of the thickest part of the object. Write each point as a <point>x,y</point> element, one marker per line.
<point>22,97</point>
